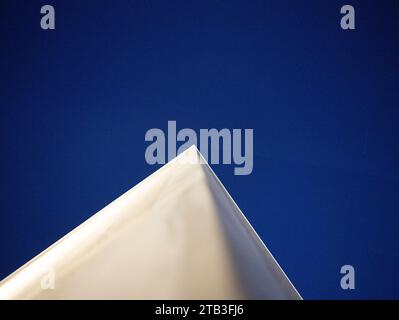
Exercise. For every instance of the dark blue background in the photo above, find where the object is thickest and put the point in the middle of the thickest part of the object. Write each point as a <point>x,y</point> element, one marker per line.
<point>76,102</point>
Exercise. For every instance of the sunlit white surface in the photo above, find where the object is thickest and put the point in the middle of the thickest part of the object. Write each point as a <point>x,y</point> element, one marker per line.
<point>176,235</point>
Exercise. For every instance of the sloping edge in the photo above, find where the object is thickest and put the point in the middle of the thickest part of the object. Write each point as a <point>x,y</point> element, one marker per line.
<point>244,218</point>
<point>125,194</point>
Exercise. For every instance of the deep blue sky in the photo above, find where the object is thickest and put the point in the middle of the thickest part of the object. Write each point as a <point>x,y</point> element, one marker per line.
<point>76,102</point>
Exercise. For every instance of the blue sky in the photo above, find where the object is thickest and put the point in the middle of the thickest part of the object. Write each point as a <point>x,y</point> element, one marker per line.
<point>75,104</point>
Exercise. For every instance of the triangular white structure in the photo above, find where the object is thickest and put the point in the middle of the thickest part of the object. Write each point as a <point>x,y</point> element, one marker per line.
<point>176,235</point>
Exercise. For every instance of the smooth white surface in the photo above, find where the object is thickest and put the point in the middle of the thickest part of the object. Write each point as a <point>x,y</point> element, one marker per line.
<point>176,235</point>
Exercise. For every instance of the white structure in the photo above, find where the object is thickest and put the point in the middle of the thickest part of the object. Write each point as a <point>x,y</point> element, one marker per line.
<point>176,235</point>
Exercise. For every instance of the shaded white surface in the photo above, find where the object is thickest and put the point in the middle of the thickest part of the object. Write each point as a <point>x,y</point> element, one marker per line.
<point>176,235</point>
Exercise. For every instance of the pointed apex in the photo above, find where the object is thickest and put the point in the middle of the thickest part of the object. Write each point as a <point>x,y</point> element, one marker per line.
<point>176,235</point>
<point>190,156</point>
